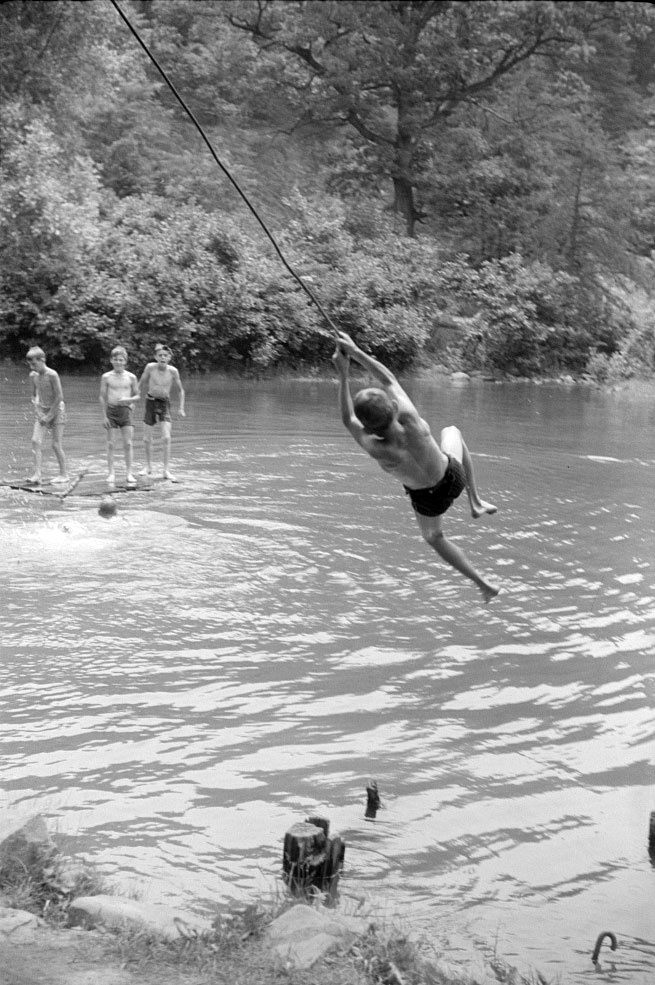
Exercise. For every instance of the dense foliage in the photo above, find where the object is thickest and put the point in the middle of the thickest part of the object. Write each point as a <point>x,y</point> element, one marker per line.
<point>467,182</point>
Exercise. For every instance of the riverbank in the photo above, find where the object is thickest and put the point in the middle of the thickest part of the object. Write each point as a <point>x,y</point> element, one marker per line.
<point>52,935</point>
<point>37,953</point>
<point>426,370</point>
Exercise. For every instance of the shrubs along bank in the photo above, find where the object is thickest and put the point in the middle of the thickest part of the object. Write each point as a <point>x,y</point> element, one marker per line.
<point>515,192</point>
<point>145,270</point>
<point>302,942</point>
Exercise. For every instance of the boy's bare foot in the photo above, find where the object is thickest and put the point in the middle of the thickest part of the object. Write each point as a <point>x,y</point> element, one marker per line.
<point>481,507</point>
<point>111,479</point>
<point>169,475</point>
<point>130,480</point>
<point>145,471</point>
<point>489,592</point>
<point>34,480</point>
<point>60,480</point>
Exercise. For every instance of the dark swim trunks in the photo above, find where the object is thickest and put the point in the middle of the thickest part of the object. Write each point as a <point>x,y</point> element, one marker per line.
<point>119,415</point>
<point>437,499</point>
<point>157,409</point>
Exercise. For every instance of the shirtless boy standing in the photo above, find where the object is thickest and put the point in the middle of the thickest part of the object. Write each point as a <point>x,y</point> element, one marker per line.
<point>119,391</point>
<point>386,424</point>
<point>158,380</point>
<point>50,411</point>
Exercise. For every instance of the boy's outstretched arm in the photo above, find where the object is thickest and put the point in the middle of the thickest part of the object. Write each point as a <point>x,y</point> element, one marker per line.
<point>374,366</point>
<point>406,409</point>
<point>342,364</point>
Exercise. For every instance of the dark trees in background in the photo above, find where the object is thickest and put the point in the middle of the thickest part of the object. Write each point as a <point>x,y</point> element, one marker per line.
<point>418,159</point>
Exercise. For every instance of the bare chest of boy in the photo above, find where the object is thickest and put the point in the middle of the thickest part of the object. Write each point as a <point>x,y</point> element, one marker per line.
<point>45,390</point>
<point>118,387</point>
<point>159,383</point>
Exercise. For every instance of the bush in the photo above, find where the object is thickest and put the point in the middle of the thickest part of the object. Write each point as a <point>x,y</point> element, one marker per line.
<point>635,358</point>
<point>49,230</point>
<point>528,318</point>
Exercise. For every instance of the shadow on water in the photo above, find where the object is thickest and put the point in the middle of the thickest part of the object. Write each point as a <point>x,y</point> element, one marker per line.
<point>229,654</point>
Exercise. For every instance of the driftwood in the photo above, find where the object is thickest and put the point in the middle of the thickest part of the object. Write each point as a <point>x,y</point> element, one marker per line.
<point>373,804</point>
<point>311,859</point>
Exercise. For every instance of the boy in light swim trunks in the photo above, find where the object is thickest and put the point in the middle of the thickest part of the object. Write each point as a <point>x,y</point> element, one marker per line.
<point>50,413</point>
<point>386,424</point>
<point>158,380</point>
<point>119,391</point>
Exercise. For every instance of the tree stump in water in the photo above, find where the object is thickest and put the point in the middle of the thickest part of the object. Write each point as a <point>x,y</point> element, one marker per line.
<point>372,801</point>
<point>311,859</point>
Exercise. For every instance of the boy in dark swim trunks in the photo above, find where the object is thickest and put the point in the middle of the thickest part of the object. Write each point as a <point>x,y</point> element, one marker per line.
<point>119,391</point>
<point>158,380</point>
<point>386,424</point>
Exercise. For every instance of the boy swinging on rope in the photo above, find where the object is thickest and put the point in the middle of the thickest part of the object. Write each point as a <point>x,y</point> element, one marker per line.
<point>386,424</point>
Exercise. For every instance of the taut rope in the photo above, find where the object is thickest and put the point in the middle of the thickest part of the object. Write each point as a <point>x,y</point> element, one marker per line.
<point>225,171</point>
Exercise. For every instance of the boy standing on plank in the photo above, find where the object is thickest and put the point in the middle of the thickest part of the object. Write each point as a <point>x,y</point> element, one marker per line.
<point>158,379</point>
<point>50,411</point>
<point>387,425</point>
<point>119,391</point>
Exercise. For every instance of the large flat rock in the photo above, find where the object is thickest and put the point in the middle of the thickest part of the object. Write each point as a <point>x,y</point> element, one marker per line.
<point>114,911</point>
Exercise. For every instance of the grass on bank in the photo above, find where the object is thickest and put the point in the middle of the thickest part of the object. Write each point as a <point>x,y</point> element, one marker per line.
<point>233,951</point>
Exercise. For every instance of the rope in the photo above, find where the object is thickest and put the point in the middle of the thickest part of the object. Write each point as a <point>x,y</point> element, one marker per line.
<point>225,171</point>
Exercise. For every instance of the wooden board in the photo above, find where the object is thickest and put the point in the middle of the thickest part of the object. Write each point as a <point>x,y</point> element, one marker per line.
<point>85,484</point>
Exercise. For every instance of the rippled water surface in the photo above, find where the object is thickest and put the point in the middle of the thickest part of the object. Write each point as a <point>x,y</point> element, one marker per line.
<point>182,683</point>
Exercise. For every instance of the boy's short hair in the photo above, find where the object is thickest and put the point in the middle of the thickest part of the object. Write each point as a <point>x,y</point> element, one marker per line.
<point>119,350</point>
<point>374,409</point>
<point>163,348</point>
<point>36,352</point>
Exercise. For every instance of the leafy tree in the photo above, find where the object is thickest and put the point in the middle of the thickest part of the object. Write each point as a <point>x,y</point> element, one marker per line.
<point>518,133</point>
<point>49,230</point>
<point>394,72</point>
<point>62,58</point>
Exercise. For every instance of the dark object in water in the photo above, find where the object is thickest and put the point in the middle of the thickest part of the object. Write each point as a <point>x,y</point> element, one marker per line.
<point>373,804</point>
<point>107,507</point>
<point>599,942</point>
<point>311,859</point>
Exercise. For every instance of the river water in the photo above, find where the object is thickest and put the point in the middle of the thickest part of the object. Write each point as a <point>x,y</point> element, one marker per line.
<point>255,643</point>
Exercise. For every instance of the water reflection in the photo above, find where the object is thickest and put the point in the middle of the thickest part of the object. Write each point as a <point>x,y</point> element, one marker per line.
<point>252,645</point>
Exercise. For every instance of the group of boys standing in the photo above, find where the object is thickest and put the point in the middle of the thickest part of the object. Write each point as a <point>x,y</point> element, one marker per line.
<point>119,392</point>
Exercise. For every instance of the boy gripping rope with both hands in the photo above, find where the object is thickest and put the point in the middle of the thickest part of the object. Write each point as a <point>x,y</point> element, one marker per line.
<point>386,424</point>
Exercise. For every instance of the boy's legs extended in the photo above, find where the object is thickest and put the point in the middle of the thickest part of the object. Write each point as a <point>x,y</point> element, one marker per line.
<point>452,443</point>
<point>432,531</point>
